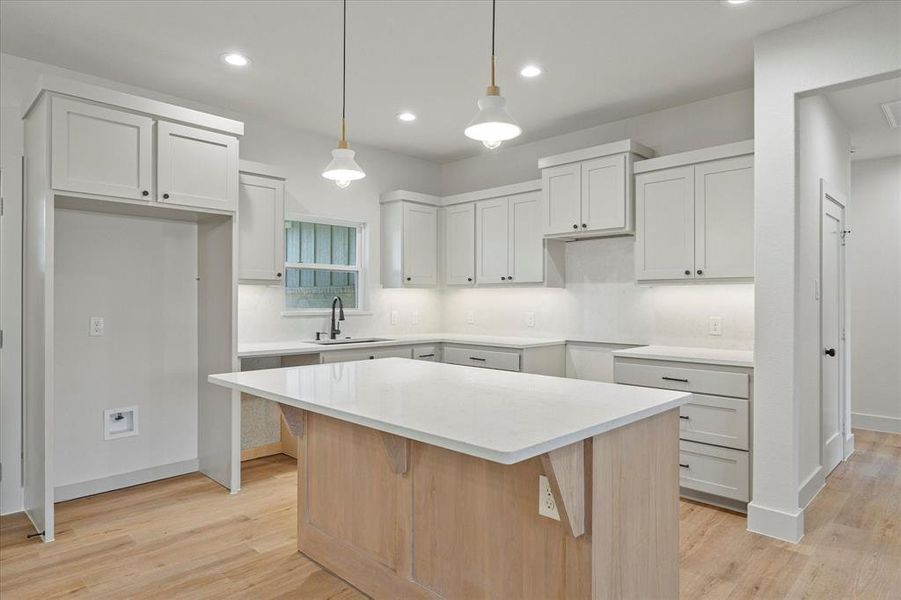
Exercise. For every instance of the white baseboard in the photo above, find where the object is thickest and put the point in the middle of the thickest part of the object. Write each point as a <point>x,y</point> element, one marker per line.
<point>876,422</point>
<point>776,523</point>
<point>849,445</point>
<point>811,487</point>
<point>114,482</point>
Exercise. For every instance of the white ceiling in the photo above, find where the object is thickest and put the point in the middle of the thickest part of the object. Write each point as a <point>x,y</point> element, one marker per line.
<point>604,60</point>
<point>860,107</point>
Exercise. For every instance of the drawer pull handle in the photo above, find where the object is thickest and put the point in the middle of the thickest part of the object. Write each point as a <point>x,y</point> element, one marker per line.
<point>426,355</point>
<point>684,417</point>
<point>684,465</point>
<point>674,379</point>
<point>477,358</point>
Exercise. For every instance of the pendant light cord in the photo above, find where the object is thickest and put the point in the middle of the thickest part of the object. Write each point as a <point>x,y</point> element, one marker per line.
<point>344,76</point>
<point>493,60</point>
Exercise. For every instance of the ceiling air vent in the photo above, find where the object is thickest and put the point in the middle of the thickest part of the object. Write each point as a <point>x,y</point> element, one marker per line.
<point>892,112</point>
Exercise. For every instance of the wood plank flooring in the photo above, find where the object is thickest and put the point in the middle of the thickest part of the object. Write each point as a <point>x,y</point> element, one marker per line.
<point>185,538</point>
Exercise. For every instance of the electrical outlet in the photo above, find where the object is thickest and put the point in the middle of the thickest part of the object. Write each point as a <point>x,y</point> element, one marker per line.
<point>547,505</point>
<point>394,317</point>
<point>715,326</point>
<point>415,318</point>
<point>96,328</point>
<point>470,317</point>
<point>530,319</point>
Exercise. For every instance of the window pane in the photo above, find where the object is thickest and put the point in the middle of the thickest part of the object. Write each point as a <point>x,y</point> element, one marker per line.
<point>315,288</point>
<point>320,243</point>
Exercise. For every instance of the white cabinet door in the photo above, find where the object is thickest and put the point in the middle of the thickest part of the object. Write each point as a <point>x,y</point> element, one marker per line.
<point>664,217</point>
<point>196,167</point>
<point>526,254</point>
<point>492,241</point>
<point>724,218</point>
<point>460,244</point>
<point>562,194</point>
<point>420,240</point>
<point>97,150</point>
<point>261,221</point>
<point>605,204</point>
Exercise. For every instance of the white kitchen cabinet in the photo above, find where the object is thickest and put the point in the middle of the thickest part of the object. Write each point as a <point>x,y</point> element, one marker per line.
<point>261,232</point>
<point>509,245</point>
<point>695,215</point>
<point>492,241</point>
<point>588,193</point>
<point>196,167</point>
<point>664,244</point>
<point>99,150</point>
<point>460,244</point>
<point>335,356</point>
<point>409,239</point>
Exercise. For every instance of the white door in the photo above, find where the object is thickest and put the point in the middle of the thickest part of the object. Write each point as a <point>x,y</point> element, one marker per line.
<point>196,167</point>
<point>420,244</point>
<point>831,324</point>
<point>604,194</point>
<point>562,190</point>
<point>724,218</point>
<point>664,224</point>
<point>460,244</point>
<point>492,245</point>
<point>97,150</point>
<point>526,254</point>
<point>261,233</point>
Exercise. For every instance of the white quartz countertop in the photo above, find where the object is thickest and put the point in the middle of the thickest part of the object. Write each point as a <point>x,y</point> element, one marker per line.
<point>501,416</point>
<point>710,356</point>
<point>291,347</point>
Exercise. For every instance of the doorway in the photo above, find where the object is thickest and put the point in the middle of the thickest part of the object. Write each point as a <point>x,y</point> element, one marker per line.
<point>832,327</point>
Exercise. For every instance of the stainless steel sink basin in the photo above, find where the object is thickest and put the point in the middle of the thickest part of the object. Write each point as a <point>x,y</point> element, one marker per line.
<point>349,341</point>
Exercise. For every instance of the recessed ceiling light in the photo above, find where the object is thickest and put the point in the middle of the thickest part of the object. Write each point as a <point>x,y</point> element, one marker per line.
<point>406,116</point>
<point>530,71</point>
<point>235,59</point>
<point>735,2</point>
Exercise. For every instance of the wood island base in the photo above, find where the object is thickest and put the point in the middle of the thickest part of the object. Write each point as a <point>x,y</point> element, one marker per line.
<point>403,519</point>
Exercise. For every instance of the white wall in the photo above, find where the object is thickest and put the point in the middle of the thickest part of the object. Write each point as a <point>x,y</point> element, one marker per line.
<point>847,45</point>
<point>139,274</point>
<point>874,281</point>
<point>823,145</point>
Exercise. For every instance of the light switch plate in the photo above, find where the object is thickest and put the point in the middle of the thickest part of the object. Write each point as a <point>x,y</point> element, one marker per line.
<point>470,317</point>
<point>547,505</point>
<point>715,326</point>
<point>415,318</point>
<point>96,327</point>
<point>530,319</point>
<point>394,317</point>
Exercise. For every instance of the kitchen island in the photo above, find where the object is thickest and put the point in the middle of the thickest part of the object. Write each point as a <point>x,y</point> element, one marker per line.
<point>421,480</point>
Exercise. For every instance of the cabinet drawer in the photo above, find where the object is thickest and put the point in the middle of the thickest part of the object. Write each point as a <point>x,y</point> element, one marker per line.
<point>701,381</point>
<point>715,420</point>
<point>476,357</point>
<point>719,471</point>
<point>426,353</point>
<point>364,354</point>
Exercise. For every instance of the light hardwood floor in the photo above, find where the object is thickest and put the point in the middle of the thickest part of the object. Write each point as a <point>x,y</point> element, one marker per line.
<point>185,538</point>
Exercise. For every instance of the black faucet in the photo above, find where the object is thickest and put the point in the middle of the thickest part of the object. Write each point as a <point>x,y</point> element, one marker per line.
<point>335,331</point>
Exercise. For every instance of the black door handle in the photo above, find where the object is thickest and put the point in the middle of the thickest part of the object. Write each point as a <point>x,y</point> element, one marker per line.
<point>830,351</point>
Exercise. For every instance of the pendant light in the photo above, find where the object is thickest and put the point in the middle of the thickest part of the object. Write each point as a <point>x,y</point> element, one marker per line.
<point>343,169</point>
<point>492,125</point>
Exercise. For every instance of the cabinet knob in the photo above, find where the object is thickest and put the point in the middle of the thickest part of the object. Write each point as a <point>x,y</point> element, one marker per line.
<point>584,226</point>
<point>510,277</point>
<point>687,272</point>
<point>278,274</point>
<point>575,226</point>
<point>700,271</point>
<point>145,193</point>
<point>165,196</point>
<point>503,279</point>
<point>409,278</point>
<point>469,279</point>
<point>371,357</point>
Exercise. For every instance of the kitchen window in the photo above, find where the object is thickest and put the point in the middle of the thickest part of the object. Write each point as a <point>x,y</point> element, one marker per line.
<point>322,260</point>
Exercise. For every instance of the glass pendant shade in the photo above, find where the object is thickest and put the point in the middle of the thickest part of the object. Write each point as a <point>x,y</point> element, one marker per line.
<point>343,169</point>
<point>492,124</point>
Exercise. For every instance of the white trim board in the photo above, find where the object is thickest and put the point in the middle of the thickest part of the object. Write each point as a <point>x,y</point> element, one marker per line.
<point>776,523</point>
<point>811,487</point>
<point>694,156</point>
<point>101,95</point>
<point>251,167</point>
<point>620,147</point>
<point>876,422</point>
<point>512,189</point>
<point>63,493</point>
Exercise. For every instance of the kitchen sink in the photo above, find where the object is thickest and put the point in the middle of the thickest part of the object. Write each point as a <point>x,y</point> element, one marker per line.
<point>350,341</point>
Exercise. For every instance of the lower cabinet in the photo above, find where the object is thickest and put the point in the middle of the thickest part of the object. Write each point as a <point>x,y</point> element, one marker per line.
<point>335,356</point>
<point>430,353</point>
<point>504,360</point>
<point>715,426</point>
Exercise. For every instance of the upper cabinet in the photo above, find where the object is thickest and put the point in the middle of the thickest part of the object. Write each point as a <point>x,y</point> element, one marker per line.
<point>459,244</point>
<point>588,193</point>
<point>129,152</point>
<point>196,167</point>
<point>409,239</point>
<point>99,150</point>
<point>261,227</point>
<point>695,215</point>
